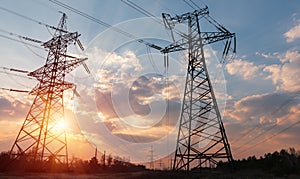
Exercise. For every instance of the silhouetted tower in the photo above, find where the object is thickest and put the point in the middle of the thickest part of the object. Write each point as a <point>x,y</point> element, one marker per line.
<point>151,163</point>
<point>201,136</point>
<point>43,135</point>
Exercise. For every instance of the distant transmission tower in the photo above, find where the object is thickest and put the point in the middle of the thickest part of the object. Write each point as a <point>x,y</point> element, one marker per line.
<point>151,163</point>
<point>43,136</point>
<point>201,137</point>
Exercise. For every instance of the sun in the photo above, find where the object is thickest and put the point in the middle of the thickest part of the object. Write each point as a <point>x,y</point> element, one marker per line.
<point>60,126</point>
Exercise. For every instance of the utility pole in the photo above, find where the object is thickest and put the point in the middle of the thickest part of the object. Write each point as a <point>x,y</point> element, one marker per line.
<point>96,151</point>
<point>103,159</point>
<point>42,136</point>
<point>151,158</point>
<point>200,120</point>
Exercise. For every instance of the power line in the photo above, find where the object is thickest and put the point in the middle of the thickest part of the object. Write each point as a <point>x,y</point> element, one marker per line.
<point>248,132</point>
<point>189,4</point>
<point>91,18</point>
<point>31,19</point>
<point>151,60</point>
<point>164,6</point>
<point>15,90</point>
<point>267,130</point>
<point>27,77</point>
<point>98,21</point>
<point>147,13</point>
<point>6,70</point>
<point>194,4</point>
<point>20,36</point>
<point>141,10</point>
<point>14,70</point>
<point>269,138</point>
<point>38,55</point>
<point>42,3</point>
<point>20,41</point>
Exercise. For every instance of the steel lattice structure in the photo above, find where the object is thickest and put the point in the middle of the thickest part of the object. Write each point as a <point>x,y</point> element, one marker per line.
<point>42,136</point>
<point>200,120</point>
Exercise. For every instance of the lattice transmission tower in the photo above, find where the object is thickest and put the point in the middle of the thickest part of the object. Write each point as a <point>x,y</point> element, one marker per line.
<point>42,136</point>
<point>201,138</point>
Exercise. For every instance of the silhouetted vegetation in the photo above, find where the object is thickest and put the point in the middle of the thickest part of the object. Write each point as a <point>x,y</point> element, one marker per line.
<point>8,163</point>
<point>281,163</point>
<point>108,164</point>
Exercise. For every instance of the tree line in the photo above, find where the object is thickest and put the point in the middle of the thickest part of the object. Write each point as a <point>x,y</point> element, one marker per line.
<point>284,162</point>
<point>26,163</point>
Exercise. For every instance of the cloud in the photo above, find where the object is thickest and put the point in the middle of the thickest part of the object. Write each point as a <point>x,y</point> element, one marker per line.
<point>145,135</point>
<point>104,104</point>
<point>141,107</point>
<point>275,71</point>
<point>8,132</point>
<point>287,74</point>
<point>293,33</point>
<point>259,117</point>
<point>144,88</point>
<point>290,56</point>
<point>265,109</point>
<point>12,109</point>
<point>268,55</point>
<point>290,137</point>
<point>128,100</point>
<point>245,69</point>
<point>292,116</point>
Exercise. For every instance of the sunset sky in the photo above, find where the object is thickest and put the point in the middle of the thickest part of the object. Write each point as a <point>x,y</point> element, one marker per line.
<point>122,108</point>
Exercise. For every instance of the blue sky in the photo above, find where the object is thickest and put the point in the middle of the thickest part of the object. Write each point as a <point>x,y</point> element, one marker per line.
<point>262,81</point>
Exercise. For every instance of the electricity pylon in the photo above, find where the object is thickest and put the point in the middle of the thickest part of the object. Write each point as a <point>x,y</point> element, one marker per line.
<point>201,136</point>
<point>43,135</point>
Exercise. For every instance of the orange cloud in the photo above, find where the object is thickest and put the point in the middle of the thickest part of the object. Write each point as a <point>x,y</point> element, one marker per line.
<point>258,107</point>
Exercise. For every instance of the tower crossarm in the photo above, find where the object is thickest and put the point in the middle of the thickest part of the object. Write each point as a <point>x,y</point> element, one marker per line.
<point>42,90</point>
<point>67,39</point>
<point>207,38</point>
<point>212,37</point>
<point>177,46</point>
<point>171,21</point>
<point>66,66</point>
